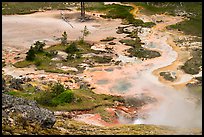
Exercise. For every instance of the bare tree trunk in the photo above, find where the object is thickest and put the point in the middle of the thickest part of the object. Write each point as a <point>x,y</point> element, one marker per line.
<point>82,11</point>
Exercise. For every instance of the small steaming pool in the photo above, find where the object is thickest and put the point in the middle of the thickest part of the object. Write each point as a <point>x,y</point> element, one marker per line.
<point>102,82</point>
<point>139,121</point>
<point>100,69</point>
<point>109,69</point>
<point>121,86</point>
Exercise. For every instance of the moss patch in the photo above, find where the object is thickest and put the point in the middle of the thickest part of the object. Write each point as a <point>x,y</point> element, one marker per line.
<point>103,59</point>
<point>85,99</point>
<point>138,51</point>
<point>43,60</point>
<point>116,11</point>
<point>23,64</point>
<point>192,66</point>
<point>9,8</point>
<point>167,76</point>
<point>108,39</point>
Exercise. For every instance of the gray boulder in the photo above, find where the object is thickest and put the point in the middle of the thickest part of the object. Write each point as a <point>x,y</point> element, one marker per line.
<point>3,84</point>
<point>16,84</point>
<point>28,109</point>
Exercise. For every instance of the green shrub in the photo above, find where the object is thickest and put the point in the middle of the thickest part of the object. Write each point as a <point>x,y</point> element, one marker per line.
<point>135,22</point>
<point>30,54</point>
<point>50,99</point>
<point>192,66</point>
<point>45,98</point>
<point>199,78</point>
<point>22,64</point>
<point>72,48</point>
<point>130,42</point>
<point>33,50</point>
<point>64,38</point>
<point>118,11</point>
<point>133,34</point>
<point>108,39</point>
<point>70,57</point>
<point>38,62</point>
<point>78,55</point>
<point>51,53</point>
<point>140,52</point>
<point>167,76</point>
<point>73,56</point>
<point>148,24</point>
<point>115,11</point>
<point>9,8</point>
<point>57,89</point>
<point>85,32</point>
<point>120,30</point>
<point>65,97</point>
<point>104,59</point>
<point>12,93</point>
<point>38,46</point>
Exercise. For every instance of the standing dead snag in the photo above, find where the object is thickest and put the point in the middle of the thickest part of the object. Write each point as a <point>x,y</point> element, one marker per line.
<point>65,19</point>
<point>82,11</point>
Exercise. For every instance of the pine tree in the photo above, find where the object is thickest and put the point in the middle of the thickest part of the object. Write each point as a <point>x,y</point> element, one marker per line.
<point>64,38</point>
<point>39,46</point>
<point>85,33</point>
<point>30,54</point>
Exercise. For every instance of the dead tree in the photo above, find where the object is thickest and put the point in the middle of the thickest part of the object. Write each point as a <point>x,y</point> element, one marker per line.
<point>82,11</point>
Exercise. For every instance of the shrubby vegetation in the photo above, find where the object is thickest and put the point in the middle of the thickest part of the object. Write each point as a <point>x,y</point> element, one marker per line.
<point>191,10</point>
<point>38,48</point>
<point>85,32</point>
<point>108,39</point>
<point>137,50</point>
<point>65,97</point>
<point>30,54</point>
<point>130,42</point>
<point>167,76</point>
<point>51,53</point>
<point>199,78</point>
<point>56,96</point>
<point>192,66</point>
<point>64,38</point>
<point>72,48</point>
<point>115,11</point>
<point>10,8</point>
<point>73,51</point>
<point>104,59</point>
<point>143,53</point>
<point>43,60</point>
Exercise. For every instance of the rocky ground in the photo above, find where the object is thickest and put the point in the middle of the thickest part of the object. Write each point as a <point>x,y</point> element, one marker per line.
<point>22,117</point>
